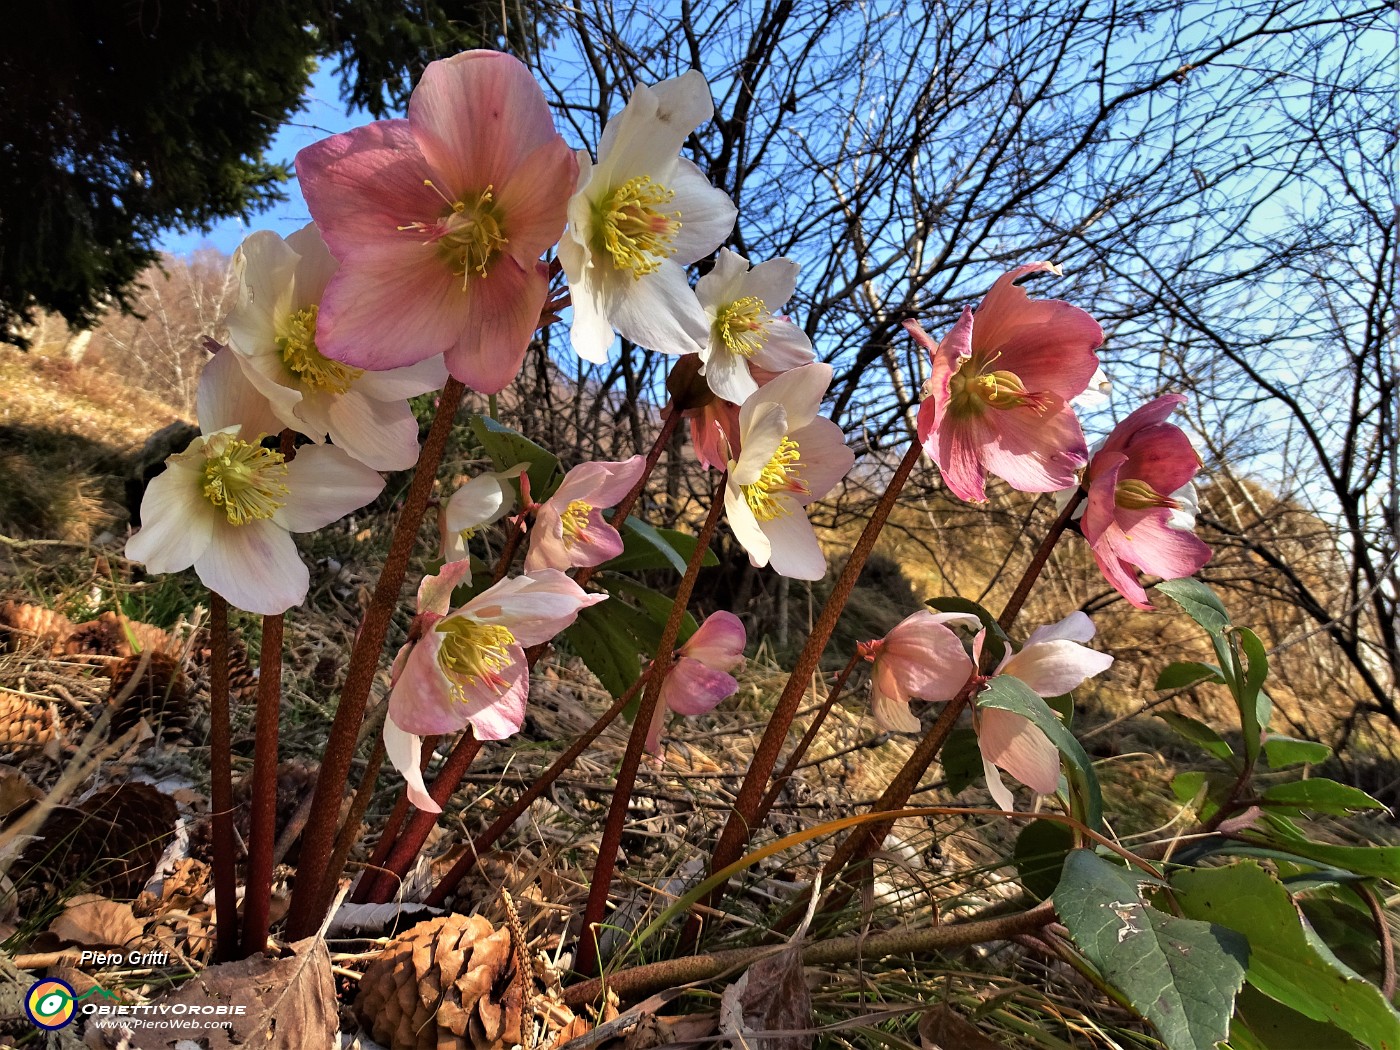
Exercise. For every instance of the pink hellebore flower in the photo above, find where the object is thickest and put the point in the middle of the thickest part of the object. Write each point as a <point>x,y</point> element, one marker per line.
<point>439,222</point>
<point>788,457</point>
<point>1139,484</point>
<point>997,399</point>
<point>642,213</point>
<point>920,657</point>
<point>274,329</point>
<point>228,506</point>
<point>1051,663</point>
<point>468,667</point>
<point>569,527</point>
<point>744,332</point>
<point>699,678</point>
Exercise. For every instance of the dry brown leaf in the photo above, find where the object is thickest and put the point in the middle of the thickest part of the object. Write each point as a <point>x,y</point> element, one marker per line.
<point>289,1004</point>
<point>96,922</point>
<point>941,1029</point>
<point>770,997</point>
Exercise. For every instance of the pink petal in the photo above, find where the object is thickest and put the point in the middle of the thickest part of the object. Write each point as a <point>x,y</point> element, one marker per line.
<point>719,642</point>
<point>547,547</point>
<point>1035,451</point>
<point>691,688</point>
<point>925,658</point>
<point>534,607</point>
<point>496,714</point>
<point>617,481</point>
<point>1163,457</point>
<point>1121,577</point>
<point>1048,344</point>
<point>1013,743</point>
<point>435,592</point>
<point>1151,414</point>
<point>403,750</point>
<point>421,700</point>
<point>1055,667</point>
<point>959,447</point>
<point>502,316</point>
<point>1100,507</point>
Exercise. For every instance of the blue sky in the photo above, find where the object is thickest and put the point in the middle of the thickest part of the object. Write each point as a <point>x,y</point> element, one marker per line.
<point>322,114</point>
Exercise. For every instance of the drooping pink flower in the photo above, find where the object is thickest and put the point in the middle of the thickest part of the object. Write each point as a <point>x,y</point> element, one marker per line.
<point>1140,506</point>
<point>439,221</point>
<point>788,456</point>
<point>228,506</point>
<point>699,678</point>
<point>273,327</point>
<point>570,529</point>
<point>1051,663</point>
<point>997,398</point>
<point>468,667</point>
<point>919,658</point>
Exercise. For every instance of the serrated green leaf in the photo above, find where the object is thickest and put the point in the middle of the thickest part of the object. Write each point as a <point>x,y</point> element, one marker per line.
<point>1008,693</point>
<point>1287,962</point>
<point>507,447</point>
<point>962,759</point>
<point>1180,974</point>
<point>1040,853</point>
<point>645,546</point>
<point>1199,602</point>
<point>1321,796</point>
<point>1188,672</point>
<point>1283,751</point>
<point>607,650</point>
<point>1198,732</point>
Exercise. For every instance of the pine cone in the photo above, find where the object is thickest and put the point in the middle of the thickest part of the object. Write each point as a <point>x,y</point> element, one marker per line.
<point>242,675</point>
<point>22,626</point>
<point>25,724</point>
<point>447,984</point>
<point>111,843</point>
<point>103,636</point>
<point>160,695</point>
<point>152,638</point>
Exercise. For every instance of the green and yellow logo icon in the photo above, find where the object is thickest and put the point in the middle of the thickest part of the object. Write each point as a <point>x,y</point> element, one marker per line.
<point>50,1004</point>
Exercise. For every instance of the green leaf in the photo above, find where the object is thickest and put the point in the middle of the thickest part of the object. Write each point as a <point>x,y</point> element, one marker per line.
<point>1007,693</point>
<point>1269,1025</point>
<point>507,447</point>
<point>1381,861</point>
<point>656,605</point>
<point>1282,751</point>
<point>1040,854</point>
<point>1198,733</point>
<point>648,547</point>
<point>962,759</point>
<point>606,648</point>
<point>1287,962</point>
<point>1254,704</point>
<point>1188,672</point>
<point>1199,602</point>
<point>1321,796</point>
<point>1186,786</point>
<point>1180,974</point>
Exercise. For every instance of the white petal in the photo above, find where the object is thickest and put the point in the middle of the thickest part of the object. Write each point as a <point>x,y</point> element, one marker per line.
<point>405,751</point>
<point>786,347</point>
<point>382,435</point>
<point>796,552</point>
<point>398,384</point>
<point>893,715</point>
<point>226,398</point>
<point>759,437</point>
<point>658,311</point>
<point>727,373</point>
<point>254,567</point>
<point>315,266</point>
<point>263,266</point>
<point>1000,795</point>
<point>1055,667</point>
<point>744,525</point>
<point>325,484</point>
<point>725,281</point>
<point>177,522</point>
<point>825,457</point>
<point>707,214</point>
<point>590,330</point>
<point>1076,627</point>
<point>773,281</point>
<point>799,391</point>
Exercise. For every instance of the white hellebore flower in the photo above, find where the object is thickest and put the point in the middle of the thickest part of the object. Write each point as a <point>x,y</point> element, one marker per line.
<point>640,215</point>
<point>789,456</point>
<point>744,332</point>
<point>273,328</point>
<point>228,506</point>
<point>482,501</point>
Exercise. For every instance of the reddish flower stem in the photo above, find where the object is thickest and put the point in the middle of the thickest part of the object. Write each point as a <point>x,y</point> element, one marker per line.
<point>487,838</point>
<point>350,830</point>
<point>257,892</point>
<point>596,910</point>
<point>308,906</point>
<point>389,834</point>
<point>221,784</point>
<point>420,824</point>
<point>800,750</point>
<point>743,817</point>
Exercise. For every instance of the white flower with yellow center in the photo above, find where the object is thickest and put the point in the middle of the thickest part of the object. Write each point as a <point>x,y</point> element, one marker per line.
<point>788,457</point>
<point>273,328</point>
<point>482,501</point>
<point>640,215</point>
<point>468,667</point>
<point>745,332</point>
<point>227,505</point>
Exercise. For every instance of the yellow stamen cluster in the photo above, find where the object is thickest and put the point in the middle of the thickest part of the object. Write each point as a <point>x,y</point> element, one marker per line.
<point>632,230</point>
<point>971,389</point>
<point>575,519</point>
<point>742,326</point>
<point>243,479</point>
<point>1139,495</point>
<point>297,345</point>
<point>469,235</point>
<point>473,652</point>
<point>780,475</point>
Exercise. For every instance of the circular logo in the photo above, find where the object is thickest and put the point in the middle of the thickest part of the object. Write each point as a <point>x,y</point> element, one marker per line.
<point>49,1003</point>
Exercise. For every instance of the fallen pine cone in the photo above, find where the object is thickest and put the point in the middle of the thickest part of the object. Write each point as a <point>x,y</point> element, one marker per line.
<point>160,695</point>
<point>450,983</point>
<point>25,724</point>
<point>25,625</point>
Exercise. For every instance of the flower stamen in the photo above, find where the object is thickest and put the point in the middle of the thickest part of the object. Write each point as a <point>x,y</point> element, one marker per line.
<point>743,325</point>
<point>632,231</point>
<point>243,479</point>
<point>297,346</point>
<point>575,520</point>
<point>473,652</point>
<point>1135,494</point>
<point>469,235</point>
<point>780,475</point>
